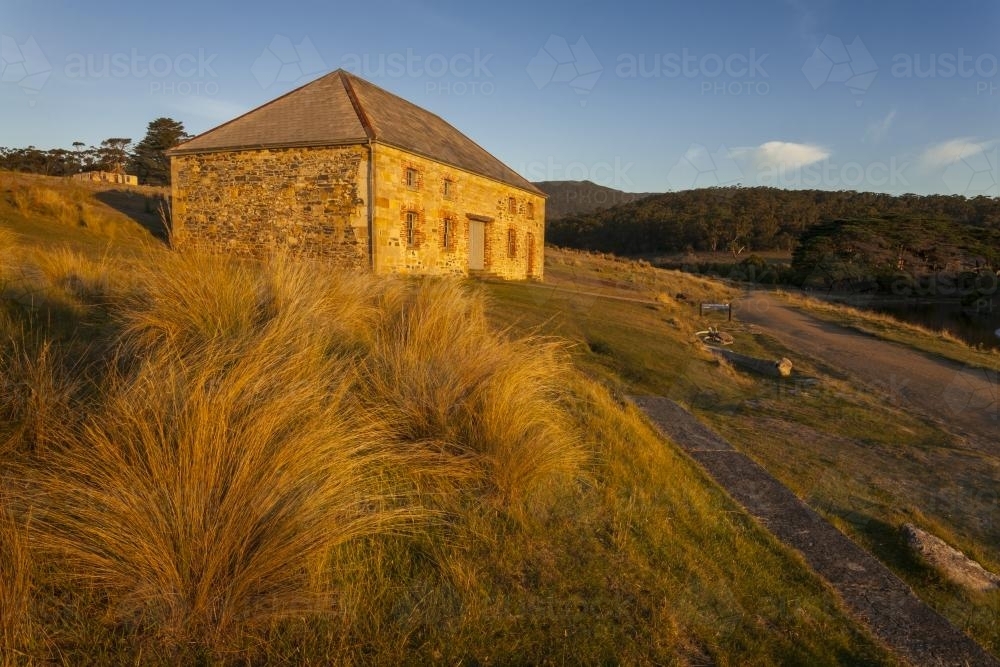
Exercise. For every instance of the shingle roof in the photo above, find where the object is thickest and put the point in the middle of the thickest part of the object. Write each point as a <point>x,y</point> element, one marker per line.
<point>340,108</point>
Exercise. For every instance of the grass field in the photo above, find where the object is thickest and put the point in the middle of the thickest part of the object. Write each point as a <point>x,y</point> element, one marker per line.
<point>868,470</point>
<point>207,460</point>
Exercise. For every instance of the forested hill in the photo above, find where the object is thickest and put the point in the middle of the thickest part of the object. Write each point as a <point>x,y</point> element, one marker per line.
<point>752,219</point>
<point>573,197</point>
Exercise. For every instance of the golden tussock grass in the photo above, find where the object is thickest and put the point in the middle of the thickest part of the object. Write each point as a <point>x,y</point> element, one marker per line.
<point>16,628</point>
<point>455,386</point>
<point>247,422</point>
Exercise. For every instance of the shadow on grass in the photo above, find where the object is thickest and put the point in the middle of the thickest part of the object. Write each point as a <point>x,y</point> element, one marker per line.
<point>150,211</point>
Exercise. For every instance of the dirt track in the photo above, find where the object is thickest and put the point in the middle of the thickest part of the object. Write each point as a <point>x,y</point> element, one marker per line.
<point>963,400</point>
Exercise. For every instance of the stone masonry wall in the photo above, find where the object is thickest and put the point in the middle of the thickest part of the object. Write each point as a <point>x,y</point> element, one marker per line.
<point>515,234</point>
<point>256,202</point>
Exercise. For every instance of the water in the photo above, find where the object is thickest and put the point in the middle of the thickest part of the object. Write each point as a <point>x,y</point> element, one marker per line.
<point>980,327</point>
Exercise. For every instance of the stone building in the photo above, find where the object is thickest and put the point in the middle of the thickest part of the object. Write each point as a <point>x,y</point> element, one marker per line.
<point>107,177</point>
<point>343,169</point>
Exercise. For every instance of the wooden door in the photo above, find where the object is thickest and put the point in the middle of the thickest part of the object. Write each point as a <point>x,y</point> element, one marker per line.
<point>477,245</point>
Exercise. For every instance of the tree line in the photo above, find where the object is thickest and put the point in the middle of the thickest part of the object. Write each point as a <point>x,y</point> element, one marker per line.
<point>147,159</point>
<point>739,219</point>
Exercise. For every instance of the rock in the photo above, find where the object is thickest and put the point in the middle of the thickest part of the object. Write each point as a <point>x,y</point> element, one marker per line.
<point>950,562</point>
<point>780,368</point>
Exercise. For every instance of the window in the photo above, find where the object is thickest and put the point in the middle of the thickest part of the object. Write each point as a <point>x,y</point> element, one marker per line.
<point>411,229</point>
<point>412,178</point>
<point>448,234</point>
<point>512,243</point>
<point>530,208</point>
<point>448,190</point>
<point>511,205</point>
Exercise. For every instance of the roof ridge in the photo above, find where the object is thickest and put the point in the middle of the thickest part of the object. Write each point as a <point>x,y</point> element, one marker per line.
<point>526,185</point>
<point>345,78</point>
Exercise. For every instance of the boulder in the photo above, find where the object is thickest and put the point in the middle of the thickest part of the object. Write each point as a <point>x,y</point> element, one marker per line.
<point>950,562</point>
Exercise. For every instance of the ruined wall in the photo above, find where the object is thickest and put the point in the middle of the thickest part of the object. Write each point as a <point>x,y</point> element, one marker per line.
<point>256,202</point>
<point>514,235</point>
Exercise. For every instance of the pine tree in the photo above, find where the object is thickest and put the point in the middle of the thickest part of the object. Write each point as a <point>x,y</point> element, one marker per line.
<point>149,160</point>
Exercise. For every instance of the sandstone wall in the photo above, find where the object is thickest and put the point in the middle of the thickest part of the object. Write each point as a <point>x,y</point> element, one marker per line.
<point>256,202</point>
<point>514,234</point>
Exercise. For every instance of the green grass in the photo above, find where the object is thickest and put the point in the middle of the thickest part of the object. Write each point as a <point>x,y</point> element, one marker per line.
<point>217,461</point>
<point>868,470</point>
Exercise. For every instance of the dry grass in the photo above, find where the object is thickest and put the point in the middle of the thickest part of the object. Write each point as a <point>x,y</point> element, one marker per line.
<point>204,498</point>
<point>245,422</point>
<point>35,394</point>
<point>17,632</point>
<point>457,388</point>
<point>289,464</point>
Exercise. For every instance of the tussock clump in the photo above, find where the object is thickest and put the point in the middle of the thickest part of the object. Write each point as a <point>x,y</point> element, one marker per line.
<point>455,385</point>
<point>189,301</point>
<point>81,277</point>
<point>36,395</point>
<point>204,497</point>
<point>245,428</point>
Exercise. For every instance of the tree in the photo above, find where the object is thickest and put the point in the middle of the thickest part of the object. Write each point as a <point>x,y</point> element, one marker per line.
<point>114,154</point>
<point>149,160</point>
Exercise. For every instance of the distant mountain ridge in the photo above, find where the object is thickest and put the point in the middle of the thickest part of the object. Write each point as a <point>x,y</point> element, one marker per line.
<point>580,197</point>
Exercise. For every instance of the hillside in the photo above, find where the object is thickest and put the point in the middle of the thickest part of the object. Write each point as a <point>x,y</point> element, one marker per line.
<point>752,219</point>
<point>282,463</point>
<point>300,465</point>
<point>569,197</point>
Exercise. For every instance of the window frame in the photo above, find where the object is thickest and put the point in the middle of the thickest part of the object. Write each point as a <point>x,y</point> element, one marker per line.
<point>410,221</point>
<point>511,243</point>
<point>448,233</point>
<point>414,183</point>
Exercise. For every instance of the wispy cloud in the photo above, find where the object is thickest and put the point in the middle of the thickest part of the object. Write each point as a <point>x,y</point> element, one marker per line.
<point>784,154</point>
<point>877,131</point>
<point>953,150</point>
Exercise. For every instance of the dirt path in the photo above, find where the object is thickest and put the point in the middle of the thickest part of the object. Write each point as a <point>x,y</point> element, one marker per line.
<point>873,594</point>
<point>963,400</point>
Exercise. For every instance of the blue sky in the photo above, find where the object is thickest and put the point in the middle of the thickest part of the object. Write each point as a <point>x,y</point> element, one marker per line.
<point>883,96</point>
